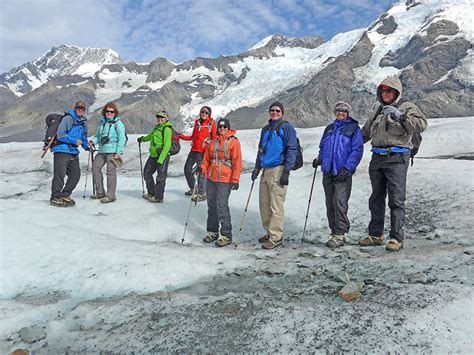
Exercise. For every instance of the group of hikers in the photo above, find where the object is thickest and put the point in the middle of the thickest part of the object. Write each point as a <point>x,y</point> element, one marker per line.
<point>214,164</point>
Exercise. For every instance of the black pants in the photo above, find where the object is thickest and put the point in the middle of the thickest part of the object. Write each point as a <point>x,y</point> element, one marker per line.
<point>157,188</point>
<point>194,158</point>
<point>388,173</point>
<point>337,203</point>
<point>65,164</point>
<point>218,211</point>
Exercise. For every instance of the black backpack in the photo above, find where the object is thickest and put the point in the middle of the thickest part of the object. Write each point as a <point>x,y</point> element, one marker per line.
<point>52,124</point>
<point>416,137</point>
<point>299,155</point>
<point>175,144</point>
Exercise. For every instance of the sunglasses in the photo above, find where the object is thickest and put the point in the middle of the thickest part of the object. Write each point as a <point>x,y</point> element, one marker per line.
<point>204,112</point>
<point>80,108</point>
<point>387,91</point>
<point>109,111</point>
<point>275,110</point>
<point>222,126</point>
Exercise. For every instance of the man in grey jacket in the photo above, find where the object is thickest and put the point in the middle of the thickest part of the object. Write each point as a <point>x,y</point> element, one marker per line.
<point>390,130</point>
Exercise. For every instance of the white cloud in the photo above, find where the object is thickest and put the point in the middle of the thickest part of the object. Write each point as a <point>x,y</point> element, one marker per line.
<point>179,30</point>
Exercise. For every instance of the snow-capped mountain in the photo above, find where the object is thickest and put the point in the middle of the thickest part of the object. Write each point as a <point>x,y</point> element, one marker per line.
<point>427,43</point>
<point>59,61</point>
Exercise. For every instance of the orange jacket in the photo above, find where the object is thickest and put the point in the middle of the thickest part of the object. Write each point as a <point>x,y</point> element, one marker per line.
<point>201,133</point>
<point>220,169</point>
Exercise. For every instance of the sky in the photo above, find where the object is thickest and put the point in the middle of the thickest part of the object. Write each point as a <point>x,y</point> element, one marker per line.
<point>179,30</point>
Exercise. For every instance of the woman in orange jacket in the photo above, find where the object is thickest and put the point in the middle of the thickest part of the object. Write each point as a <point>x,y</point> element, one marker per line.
<point>222,164</point>
<point>204,130</point>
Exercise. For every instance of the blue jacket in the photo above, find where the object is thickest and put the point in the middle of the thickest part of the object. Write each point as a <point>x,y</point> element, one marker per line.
<point>115,130</point>
<point>277,149</point>
<point>341,146</point>
<point>70,130</point>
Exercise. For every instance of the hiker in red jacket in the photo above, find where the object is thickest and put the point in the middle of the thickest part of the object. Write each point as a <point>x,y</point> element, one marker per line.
<point>204,131</point>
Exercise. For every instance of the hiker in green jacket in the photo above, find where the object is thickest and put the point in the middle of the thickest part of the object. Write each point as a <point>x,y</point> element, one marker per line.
<point>160,144</point>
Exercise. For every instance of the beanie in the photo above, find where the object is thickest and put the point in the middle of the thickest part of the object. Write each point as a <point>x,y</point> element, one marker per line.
<point>223,121</point>
<point>342,106</point>
<point>278,104</point>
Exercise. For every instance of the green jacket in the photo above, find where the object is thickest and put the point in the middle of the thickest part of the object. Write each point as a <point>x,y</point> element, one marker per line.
<point>113,129</point>
<point>160,141</point>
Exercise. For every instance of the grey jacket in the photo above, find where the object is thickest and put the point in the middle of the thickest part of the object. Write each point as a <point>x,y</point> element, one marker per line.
<point>383,131</point>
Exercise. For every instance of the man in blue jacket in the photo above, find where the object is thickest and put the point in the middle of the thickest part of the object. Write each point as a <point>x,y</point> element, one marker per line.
<point>277,151</point>
<point>72,133</point>
<point>340,151</point>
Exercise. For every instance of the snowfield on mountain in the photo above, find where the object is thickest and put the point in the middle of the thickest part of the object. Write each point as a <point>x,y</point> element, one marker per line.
<point>115,278</point>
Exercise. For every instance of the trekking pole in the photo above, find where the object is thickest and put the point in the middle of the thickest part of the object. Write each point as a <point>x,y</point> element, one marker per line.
<point>189,209</point>
<point>92,160</point>
<point>309,202</point>
<point>141,165</point>
<point>243,216</point>
<point>87,173</point>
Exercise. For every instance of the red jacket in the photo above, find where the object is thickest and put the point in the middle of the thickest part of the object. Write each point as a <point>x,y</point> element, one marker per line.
<point>201,133</point>
<point>223,168</point>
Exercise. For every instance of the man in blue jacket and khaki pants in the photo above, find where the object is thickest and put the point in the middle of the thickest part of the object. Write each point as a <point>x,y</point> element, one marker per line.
<point>277,151</point>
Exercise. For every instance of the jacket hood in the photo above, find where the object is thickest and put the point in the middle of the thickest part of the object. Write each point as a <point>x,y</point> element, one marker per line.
<point>116,119</point>
<point>349,120</point>
<point>394,83</point>
<point>75,116</point>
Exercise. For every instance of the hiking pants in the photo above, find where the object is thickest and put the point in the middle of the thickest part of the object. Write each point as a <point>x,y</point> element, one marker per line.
<point>194,158</point>
<point>272,202</point>
<point>156,189</point>
<point>99,161</point>
<point>337,203</point>
<point>388,173</point>
<point>65,164</point>
<point>218,208</point>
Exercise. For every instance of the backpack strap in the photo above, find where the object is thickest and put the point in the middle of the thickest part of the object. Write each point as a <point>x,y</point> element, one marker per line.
<point>215,156</point>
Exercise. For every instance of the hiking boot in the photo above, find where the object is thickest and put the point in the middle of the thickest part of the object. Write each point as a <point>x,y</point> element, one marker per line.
<point>336,241</point>
<point>223,241</point>
<point>199,198</point>
<point>371,241</point>
<point>68,200</point>
<point>263,239</point>
<point>146,196</point>
<point>394,245</point>
<point>210,237</point>
<point>107,199</point>
<point>96,196</point>
<point>154,199</point>
<point>189,192</point>
<point>58,202</point>
<point>271,244</point>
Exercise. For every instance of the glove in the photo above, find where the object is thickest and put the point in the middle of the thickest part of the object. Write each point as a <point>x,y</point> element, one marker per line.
<point>139,139</point>
<point>341,177</point>
<point>235,186</point>
<point>255,173</point>
<point>394,113</point>
<point>317,162</point>
<point>284,178</point>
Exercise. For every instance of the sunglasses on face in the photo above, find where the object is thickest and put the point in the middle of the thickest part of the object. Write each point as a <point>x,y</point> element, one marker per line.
<point>272,110</point>
<point>222,126</point>
<point>204,112</point>
<point>109,111</point>
<point>342,111</point>
<point>80,108</point>
<point>387,91</point>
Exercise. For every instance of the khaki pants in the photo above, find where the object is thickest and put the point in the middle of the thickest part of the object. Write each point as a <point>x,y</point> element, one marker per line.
<point>272,202</point>
<point>99,161</point>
